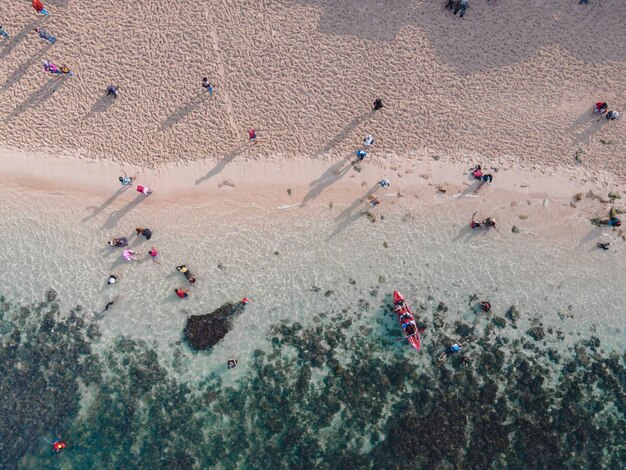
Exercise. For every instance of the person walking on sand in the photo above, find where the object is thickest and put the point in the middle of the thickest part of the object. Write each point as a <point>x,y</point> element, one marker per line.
<point>384,183</point>
<point>378,104</point>
<point>144,190</point>
<point>207,85</point>
<point>3,32</point>
<point>153,254</point>
<point>118,242</point>
<point>39,8</point>
<point>146,232</point>
<point>252,136</point>
<point>46,36</point>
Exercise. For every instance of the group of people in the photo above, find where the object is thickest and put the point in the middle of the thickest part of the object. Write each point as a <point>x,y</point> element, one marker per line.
<point>601,108</point>
<point>483,178</point>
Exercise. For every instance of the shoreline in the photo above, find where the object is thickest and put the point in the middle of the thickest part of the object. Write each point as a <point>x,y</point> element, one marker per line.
<point>418,182</point>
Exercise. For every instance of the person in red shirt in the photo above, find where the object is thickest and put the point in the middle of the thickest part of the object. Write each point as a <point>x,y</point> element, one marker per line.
<point>58,445</point>
<point>252,136</point>
<point>39,8</point>
<point>182,293</point>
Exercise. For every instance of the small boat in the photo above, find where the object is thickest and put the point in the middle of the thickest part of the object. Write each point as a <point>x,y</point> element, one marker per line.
<point>403,311</point>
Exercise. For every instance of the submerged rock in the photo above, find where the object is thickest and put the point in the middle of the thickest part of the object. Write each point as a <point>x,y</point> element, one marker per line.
<point>536,333</point>
<point>205,331</point>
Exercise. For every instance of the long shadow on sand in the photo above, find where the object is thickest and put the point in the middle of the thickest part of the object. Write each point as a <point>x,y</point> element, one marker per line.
<point>10,44</point>
<point>489,36</point>
<point>356,121</point>
<point>329,177</point>
<point>102,105</point>
<point>19,72</point>
<point>586,125</point>
<point>39,96</point>
<point>222,164</point>
<point>184,111</point>
<point>105,204</point>
<point>117,215</point>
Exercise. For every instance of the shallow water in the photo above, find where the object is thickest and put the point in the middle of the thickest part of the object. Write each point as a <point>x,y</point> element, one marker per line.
<point>310,266</point>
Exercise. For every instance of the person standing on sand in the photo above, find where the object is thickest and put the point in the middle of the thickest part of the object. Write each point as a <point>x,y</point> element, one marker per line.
<point>207,86</point>
<point>3,32</point>
<point>113,90</point>
<point>384,183</point>
<point>146,232</point>
<point>252,136</point>
<point>360,155</point>
<point>378,104</point>
<point>39,8</point>
<point>153,254</point>
<point>484,179</point>
<point>46,36</point>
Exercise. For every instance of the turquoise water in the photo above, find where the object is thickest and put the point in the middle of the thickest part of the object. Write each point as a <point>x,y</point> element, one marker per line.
<point>322,380</point>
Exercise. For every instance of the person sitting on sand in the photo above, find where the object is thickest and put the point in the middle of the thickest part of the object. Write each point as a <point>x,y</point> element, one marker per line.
<point>183,269</point>
<point>182,293</point>
<point>473,223</point>
<point>146,232</point>
<point>477,172</point>
<point>118,242</point>
<point>489,222</point>
<point>368,141</point>
<point>612,115</point>
<point>144,189</point>
<point>112,279</point>
<point>600,107</point>
<point>487,178</point>
<point>378,104</point>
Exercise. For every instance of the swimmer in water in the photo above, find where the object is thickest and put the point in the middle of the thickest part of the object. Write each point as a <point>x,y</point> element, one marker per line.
<point>232,363</point>
<point>182,293</point>
<point>100,315</point>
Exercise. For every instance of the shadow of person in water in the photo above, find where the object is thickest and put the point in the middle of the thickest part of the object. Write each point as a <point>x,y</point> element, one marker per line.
<point>184,111</point>
<point>117,215</point>
<point>105,204</point>
<point>351,213</point>
<point>39,96</point>
<point>19,72</point>
<point>222,163</point>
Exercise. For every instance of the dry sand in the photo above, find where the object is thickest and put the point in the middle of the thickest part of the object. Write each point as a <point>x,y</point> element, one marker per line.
<point>515,80</point>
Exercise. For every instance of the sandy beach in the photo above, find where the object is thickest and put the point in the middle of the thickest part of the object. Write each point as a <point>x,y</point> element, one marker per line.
<point>325,377</point>
<point>513,80</point>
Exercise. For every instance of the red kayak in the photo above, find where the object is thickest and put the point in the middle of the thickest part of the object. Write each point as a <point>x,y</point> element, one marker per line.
<point>405,317</point>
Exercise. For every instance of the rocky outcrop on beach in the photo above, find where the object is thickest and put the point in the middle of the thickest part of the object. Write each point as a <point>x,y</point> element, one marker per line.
<point>205,331</point>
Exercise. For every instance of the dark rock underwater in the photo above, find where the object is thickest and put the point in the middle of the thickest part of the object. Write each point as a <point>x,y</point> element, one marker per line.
<point>333,395</point>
